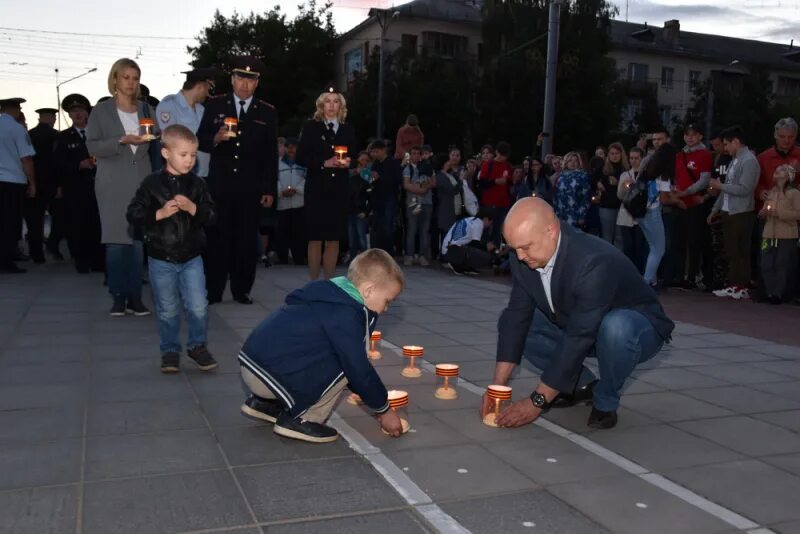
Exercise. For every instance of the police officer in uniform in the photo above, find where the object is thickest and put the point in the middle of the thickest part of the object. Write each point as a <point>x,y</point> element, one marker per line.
<point>77,169</point>
<point>186,108</point>
<point>16,178</point>
<point>48,194</point>
<point>242,178</point>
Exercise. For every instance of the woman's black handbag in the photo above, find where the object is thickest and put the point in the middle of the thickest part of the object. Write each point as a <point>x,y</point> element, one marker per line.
<point>635,198</point>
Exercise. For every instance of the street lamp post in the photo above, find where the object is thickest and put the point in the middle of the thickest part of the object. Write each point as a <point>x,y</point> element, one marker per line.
<point>384,16</point>
<point>58,90</point>
<point>551,76</point>
<point>710,100</point>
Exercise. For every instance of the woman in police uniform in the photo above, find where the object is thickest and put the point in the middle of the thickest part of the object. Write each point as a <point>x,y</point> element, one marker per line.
<point>326,196</point>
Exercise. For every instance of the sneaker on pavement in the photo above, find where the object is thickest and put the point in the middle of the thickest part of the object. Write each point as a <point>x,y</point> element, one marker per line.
<point>408,261</point>
<point>423,261</point>
<point>741,294</point>
<point>170,362</point>
<point>118,308</point>
<point>456,270</point>
<point>726,292</point>
<point>137,308</point>
<point>295,428</point>
<point>200,355</point>
<point>263,409</point>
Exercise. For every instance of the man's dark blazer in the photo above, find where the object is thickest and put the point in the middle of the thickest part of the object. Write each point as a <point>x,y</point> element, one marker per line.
<point>249,162</point>
<point>43,138</point>
<point>590,277</point>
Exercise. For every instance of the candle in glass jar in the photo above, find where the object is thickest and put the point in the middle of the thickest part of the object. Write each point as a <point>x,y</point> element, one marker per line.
<point>501,399</point>
<point>447,373</point>
<point>231,126</point>
<point>374,352</point>
<point>398,402</point>
<point>341,152</point>
<point>411,352</point>
<point>146,128</point>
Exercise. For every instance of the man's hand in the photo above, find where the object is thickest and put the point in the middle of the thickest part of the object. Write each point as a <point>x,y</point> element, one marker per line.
<point>169,209</point>
<point>87,164</point>
<point>764,195</point>
<point>519,413</point>
<point>715,183</point>
<point>133,140</point>
<point>221,136</point>
<point>267,200</point>
<point>390,422</point>
<point>31,191</point>
<point>185,204</point>
<point>712,218</point>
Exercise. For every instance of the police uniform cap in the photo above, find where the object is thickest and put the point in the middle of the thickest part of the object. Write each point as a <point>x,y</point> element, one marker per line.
<point>45,111</point>
<point>331,89</point>
<point>15,101</point>
<point>75,100</point>
<point>247,67</point>
<point>204,74</point>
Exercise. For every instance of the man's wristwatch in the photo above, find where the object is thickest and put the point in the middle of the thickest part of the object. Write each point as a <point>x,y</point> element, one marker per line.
<point>540,401</point>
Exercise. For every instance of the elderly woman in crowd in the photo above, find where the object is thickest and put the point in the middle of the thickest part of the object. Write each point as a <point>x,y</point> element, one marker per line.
<point>123,161</point>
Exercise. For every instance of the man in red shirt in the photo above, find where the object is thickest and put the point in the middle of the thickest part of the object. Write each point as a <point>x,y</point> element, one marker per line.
<point>407,136</point>
<point>693,167</point>
<point>785,152</point>
<point>495,184</point>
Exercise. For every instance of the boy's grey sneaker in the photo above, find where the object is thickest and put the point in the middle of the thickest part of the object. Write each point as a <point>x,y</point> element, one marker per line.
<point>118,308</point>
<point>295,428</point>
<point>137,308</point>
<point>170,362</point>
<point>204,360</point>
<point>263,409</point>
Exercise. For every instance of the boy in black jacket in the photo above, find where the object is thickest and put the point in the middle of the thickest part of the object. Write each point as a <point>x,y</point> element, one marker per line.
<point>299,359</point>
<point>171,207</point>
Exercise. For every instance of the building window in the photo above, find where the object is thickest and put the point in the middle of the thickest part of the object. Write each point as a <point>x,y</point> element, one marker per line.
<point>637,72</point>
<point>444,44</point>
<point>694,79</point>
<point>353,63</point>
<point>631,110</point>
<point>667,77</point>
<point>409,43</point>
<point>788,87</point>
<point>665,113</point>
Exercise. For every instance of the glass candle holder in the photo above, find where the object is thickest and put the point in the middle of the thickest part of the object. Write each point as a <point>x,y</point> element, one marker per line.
<point>447,374</point>
<point>374,352</point>
<point>501,398</point>
<point>231,127</point>
<point>398,402</point>
<point>411,352</point>
<point>341,153</point>
<point>147,127</point>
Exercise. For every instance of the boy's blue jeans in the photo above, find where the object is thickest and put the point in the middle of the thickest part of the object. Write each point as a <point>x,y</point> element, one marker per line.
<point>625,339</point>
<point>175,284</point>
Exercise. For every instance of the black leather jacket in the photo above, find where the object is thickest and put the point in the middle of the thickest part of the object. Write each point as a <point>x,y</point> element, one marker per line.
<point>179,238</point>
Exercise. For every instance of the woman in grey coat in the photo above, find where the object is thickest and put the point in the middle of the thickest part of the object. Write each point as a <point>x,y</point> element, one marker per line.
<point>449,187</point>
<point>123,161</point>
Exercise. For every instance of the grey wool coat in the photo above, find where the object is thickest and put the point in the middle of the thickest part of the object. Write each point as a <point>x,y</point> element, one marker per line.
<point>119,170</point>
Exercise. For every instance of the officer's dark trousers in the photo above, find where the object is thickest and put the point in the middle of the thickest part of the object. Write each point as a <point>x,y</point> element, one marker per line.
<point>11,200</point>
<point>82,222</point>
<point>35,209</point>
<point>231,250</point>
<point>291,235</point>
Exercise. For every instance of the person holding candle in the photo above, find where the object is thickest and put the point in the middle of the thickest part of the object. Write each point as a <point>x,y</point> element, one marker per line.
<point>326,143</point>
<point>297,361</point>
<point>574,296</point>
<point>123,161</point>
<point>781,213</point>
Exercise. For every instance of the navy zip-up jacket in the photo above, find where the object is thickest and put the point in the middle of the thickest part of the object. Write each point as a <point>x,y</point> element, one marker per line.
<point>318,337</point>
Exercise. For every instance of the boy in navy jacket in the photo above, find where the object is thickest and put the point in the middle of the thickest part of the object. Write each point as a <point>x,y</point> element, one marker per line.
<point>300,358</point>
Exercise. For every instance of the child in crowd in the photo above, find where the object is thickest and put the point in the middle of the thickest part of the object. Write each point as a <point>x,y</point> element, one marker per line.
<point>781,212</point>
<point>172,206</point>
<point>359,189</point>
<point>300,358</point>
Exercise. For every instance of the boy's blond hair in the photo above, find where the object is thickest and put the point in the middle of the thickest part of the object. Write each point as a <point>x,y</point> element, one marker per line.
<point>176,132</point>
<point>375,265</point>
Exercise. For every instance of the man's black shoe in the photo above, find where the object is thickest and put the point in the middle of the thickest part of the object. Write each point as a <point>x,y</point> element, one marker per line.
<point>204,360</point>
<point>170,362</point>
<point>295,428</point>
<point>137,308</point>
<point>582,394</point>
<point>118,308</point>
<point>243,299</point>
<point>263,409</point>
<point>12,268</point>
<point>602,420</point>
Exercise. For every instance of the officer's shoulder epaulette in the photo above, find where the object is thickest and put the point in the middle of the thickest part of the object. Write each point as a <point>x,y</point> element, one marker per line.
<point>266,104</point>
<point>217,98</point>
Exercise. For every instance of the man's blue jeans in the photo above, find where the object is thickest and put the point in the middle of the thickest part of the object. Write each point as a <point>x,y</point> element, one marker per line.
<point>173,284</point>
<point>625,339</point>
<point>124,269</point>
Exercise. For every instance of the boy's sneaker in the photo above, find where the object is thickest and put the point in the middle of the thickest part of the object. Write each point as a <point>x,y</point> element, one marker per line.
<point>727,292</point>
<point>118,308</point>
<point>423,261</point>
<point>741,294</point>
<point>170,362</point>
<point>408,261</point>
<point>204,360</point>
<point>137,308</point>
<point>263,409</point>
<point>295,428</point>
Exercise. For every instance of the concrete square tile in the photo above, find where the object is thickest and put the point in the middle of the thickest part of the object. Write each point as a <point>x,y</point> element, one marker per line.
<point>27,397</point>
<point>785,367</point>
<point>40,424</point>
<point>147,454</point>
<point>684,358</point>
<point>475,338</point>
<point>339,486</point>
<point>787,390</point>
<point>426,431</point>
<point>467,423</point>
<point>678,379</point>
<point>477,370</point>
<point>789,419</point>
<point>422,397</point>
<point>457,354</point>
<point>384,522</point>
<point>740,374</point>
<point>52,340</point>
<point>671,406</point>
<point>787,462</point>
<point>393,379</point>
<point>118,369</point>
<point>575,418</point>
<point>45,374</point>
<point>43,355</point>
<point>742,399</point>
<point>157,387</point>
<point>732,340</point>
<point>40,464</point>
<point>633,386</point>
<point>745,435</point>
<point>628,504</point>
<point>520,513</point>
<point>753,488</point>
<point>174,503</point>
<point>737,354</point>
<point>460,471</point>
<point>40,510</point>
<point>460,327</point>
<point>695,342</point>
<point>788,527</point>
<point>429,340</point>
<point>224,411</point>
<point>249,445</point>
<point>141,417</point>
<point>783,351</point>
<point>693,329</point>
<point>212,383</point>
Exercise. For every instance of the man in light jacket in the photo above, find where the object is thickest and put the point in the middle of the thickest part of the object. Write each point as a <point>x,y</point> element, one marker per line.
<point>291,207</point>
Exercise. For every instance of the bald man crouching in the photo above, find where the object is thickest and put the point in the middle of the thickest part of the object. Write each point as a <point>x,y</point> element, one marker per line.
<point>574,296</point>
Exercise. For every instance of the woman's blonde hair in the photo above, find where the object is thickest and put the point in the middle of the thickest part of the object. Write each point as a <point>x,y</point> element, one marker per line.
<point>118,66</point>
<point>786,170</point>
<point>576,155</point>
<point>320,113</point>
<point>608,167</point>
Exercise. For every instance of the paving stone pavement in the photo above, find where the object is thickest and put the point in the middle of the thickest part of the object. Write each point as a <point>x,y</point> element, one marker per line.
<point>93,439</point>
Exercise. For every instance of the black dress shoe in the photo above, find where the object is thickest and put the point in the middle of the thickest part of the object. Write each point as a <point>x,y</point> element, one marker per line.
<point>582,394</point>
<point>243,299</point>
<point>263,409</point>
<point>602,420</point>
